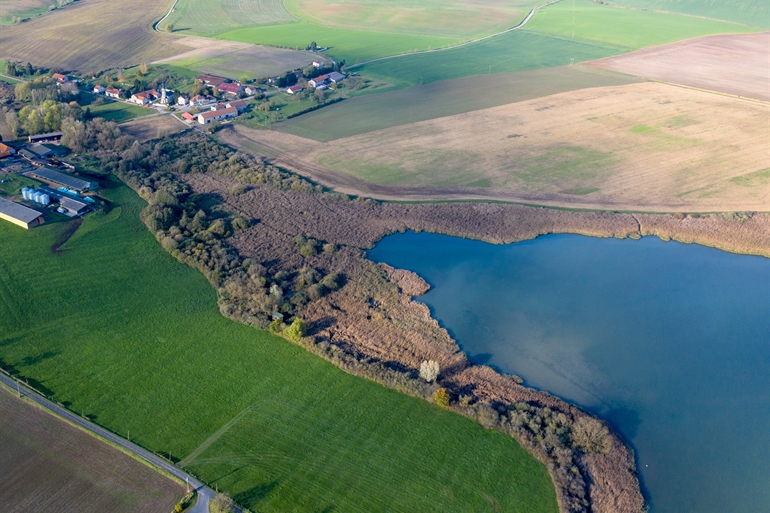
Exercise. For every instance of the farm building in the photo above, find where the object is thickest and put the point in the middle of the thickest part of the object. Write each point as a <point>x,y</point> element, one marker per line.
<point>43,138</point>
<point>19,214</point>
<point>239,105</point>
<point>46,150</point>
<point>294,89</point>
<point>205,118</point>
<point>232,89</point>
<point>315,82</point>
<point>211,80</point>
<point>318,64</point>
<point>72,207</point>
<point>145,97</point>
<point>99,89</point>
<point>6,151</point>
<point>112,92</point>
<point>251,90</point>
<point>336,77</point>
<point>48,175</point>
<point>187,116</point>
<point>62,79</point>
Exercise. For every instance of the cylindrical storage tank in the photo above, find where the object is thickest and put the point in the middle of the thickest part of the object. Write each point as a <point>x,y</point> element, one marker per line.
<point>36,197</point>
<point>45,199</point>
<point>25,193</point>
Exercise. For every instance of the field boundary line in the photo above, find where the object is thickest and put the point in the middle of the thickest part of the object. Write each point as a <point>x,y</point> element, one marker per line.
<point>459,45</point>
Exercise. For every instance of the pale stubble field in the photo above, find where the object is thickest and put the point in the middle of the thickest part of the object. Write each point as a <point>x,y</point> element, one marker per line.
<point>647,147</point>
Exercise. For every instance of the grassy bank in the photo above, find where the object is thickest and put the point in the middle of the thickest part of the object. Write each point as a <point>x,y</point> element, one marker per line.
<point>119,330</point>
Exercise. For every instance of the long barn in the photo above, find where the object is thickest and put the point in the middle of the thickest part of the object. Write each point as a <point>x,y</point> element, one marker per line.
<point>19,214</point>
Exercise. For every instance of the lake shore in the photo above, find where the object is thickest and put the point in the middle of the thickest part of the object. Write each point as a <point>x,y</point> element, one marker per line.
<point>374,318</point>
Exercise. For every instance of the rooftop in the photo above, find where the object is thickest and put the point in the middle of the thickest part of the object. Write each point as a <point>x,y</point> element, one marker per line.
<point>55,176</point>
<point>20,212</point>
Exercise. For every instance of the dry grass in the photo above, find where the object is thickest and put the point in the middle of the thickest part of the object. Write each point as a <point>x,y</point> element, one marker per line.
<point>152,127</point>
<point>90,35</point>
<point>736,64</point>
<point>643,147</point>
<point>49,465</point>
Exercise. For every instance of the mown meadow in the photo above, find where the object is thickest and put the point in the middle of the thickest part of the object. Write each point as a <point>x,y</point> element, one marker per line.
<point>634,29</point>
<point>749,12</point>
<point>119,331</point>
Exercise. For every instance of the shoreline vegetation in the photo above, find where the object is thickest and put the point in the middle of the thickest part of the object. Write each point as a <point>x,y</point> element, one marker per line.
<point>287,256</point>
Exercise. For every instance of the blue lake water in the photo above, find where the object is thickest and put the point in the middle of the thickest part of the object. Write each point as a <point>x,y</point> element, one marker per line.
<point>668,342</point>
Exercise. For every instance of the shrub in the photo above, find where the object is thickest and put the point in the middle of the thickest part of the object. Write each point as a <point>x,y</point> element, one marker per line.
<point>429,370</point>
<point>297,329</point>
<point>441,397</point>
<point>591,436</point>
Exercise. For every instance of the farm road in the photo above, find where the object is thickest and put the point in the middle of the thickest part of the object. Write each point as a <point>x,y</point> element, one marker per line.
<point>205,494</point>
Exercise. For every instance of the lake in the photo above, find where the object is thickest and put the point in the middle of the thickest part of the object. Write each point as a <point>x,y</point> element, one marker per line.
<point>668,342</point>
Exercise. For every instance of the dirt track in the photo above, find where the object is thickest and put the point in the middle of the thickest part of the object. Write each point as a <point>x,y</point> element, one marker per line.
<point>732,64</point>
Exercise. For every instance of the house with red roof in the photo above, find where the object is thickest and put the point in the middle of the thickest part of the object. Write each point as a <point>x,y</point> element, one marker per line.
<point>294,89</point>
<point>315,82</point>
<point>62,79</point>
<point>112,92</point>
<point>145,97</point>
<point>205,118</point>
<point>233,89</point>
<point>211,80</point>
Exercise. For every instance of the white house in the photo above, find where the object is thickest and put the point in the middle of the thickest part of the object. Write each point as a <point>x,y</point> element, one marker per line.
<point>294,89</point>
<point>318,64</point>
<point>145,97</point>
<point>112,92</point>
<point>99,89</point>
<point>205,118</point>
<point>315,82</point>
<point>183,100</point>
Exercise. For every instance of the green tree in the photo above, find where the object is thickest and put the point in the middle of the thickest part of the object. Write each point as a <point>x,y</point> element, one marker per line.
<point>169,27</point>
<point>297,329</point>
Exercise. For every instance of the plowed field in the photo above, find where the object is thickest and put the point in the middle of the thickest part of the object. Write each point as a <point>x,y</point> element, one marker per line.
<point>732,64</point>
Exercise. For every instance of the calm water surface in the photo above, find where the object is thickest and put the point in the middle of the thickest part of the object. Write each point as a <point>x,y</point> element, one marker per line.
<point>668,342</point>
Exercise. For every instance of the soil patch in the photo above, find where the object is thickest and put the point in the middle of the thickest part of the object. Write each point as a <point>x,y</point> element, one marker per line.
<point>69,230</point>
<point>734,64</point>
<point>49,465</point>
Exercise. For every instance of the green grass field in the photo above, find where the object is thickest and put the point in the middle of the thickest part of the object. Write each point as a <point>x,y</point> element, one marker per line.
<point>343,44</point>
<point>514,51</point>
<point>206,18</point>
<point>749,12</point>
<point>589,21</point>
<point>118,330</point>
<point>115,111</point>
<point>447,18</point>
<point>377,111</point>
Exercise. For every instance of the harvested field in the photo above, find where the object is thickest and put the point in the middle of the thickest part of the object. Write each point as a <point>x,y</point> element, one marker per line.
<point>152,127</point>
<point>734,64</point>
<point>642,147</point>
<point>90,35</point>
<point>237,60</point>
<point>49,465</point>
<point>367,113</point>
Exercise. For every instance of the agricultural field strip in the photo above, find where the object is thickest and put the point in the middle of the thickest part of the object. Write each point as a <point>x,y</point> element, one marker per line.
<point>747,12</point>
<point>427,160</point>
<point>154,461</point>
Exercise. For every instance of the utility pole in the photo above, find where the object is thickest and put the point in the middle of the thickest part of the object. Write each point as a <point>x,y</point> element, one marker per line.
<point>18,389</point>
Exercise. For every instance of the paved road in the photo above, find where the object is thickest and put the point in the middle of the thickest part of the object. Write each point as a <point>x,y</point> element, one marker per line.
<point>204,493</point>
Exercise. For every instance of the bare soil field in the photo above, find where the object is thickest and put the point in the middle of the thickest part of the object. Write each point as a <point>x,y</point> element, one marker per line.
<point>49,465</point>
<point>90,35</point>
<point>152,127</point>
<point>641,147</point>
<point>233,59</point>
<point>736,64</point>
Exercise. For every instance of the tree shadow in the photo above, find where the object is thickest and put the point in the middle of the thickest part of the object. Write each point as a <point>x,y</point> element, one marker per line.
<point>255,494</point>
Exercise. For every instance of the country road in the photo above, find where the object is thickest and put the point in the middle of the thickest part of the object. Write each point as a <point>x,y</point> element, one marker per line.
<point>205,494</point>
